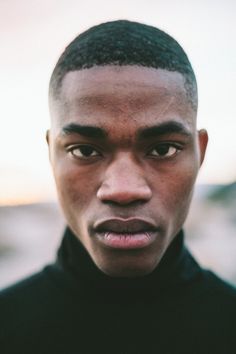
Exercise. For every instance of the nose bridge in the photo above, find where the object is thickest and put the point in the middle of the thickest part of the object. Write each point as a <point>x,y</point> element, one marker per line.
<point>124,181</point>
<point>124,165</point>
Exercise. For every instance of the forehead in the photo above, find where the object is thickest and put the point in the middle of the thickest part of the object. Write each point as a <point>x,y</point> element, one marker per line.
<point>121,92</point>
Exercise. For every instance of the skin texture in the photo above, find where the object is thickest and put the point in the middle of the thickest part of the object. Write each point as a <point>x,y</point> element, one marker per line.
<point>125,175</point>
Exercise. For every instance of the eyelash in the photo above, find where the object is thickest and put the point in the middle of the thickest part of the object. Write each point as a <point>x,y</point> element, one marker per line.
<point>165,145</point>
<point>79,147</point>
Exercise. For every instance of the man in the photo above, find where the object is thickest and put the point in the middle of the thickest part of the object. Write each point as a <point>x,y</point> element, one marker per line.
<point>125,154</point>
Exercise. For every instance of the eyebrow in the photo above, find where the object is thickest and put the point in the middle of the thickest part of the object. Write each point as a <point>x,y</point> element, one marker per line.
<point>143,133</point>
<point>85,130</point>
<point>163,129</point>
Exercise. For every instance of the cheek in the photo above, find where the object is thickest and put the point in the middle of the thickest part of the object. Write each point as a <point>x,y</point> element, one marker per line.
<point>182,191</point>
<point>75,188</point>
<point>176,188</point>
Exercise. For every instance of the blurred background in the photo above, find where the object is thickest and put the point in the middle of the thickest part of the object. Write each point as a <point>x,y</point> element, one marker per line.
<point>33,34</point>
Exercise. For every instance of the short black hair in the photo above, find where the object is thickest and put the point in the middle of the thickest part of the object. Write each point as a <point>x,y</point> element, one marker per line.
<point>124,42</point>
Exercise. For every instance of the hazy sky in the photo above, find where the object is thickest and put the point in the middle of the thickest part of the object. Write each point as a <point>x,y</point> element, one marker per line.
<point>33,33</point>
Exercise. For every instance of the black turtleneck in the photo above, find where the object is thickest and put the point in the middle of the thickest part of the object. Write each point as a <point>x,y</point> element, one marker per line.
<point>72,307</point>
<point>176,268</point>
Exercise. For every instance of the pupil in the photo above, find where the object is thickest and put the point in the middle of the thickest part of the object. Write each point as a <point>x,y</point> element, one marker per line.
<point>86,150</point>
<point>163,150</point>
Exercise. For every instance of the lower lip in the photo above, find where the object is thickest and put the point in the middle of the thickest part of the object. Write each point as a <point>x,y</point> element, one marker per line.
<point>126,241</point>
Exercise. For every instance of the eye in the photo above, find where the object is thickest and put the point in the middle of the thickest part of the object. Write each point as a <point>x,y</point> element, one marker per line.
<point>164,150</point>
<point>83,151</point>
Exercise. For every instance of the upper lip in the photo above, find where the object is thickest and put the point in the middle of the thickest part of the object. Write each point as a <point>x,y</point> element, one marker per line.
<point>118,225</point>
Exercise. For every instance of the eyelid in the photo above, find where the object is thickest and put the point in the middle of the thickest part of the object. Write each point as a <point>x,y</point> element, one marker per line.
<point>166,143</point>
<point>79,145</point>
<point>72,147</point>
<point>176,145</point>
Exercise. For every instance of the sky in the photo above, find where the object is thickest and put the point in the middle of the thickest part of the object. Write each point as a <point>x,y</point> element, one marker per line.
<point>33,33</point>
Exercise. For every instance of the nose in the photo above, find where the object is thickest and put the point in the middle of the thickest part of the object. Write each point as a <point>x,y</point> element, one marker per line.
<point>124,183</point>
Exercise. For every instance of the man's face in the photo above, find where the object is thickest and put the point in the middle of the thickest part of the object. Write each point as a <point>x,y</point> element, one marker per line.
<point>125,155</point>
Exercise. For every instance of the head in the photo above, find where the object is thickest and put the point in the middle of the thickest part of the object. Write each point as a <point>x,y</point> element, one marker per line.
<point>123,143</point>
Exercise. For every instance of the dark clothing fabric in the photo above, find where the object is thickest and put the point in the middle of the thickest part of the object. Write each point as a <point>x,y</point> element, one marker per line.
<point>71,307</point>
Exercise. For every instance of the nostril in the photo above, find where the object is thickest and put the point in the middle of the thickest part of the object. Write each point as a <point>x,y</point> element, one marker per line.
<point>134,203</point>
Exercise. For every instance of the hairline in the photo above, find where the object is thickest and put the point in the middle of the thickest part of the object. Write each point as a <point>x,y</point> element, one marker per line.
<point>55,84</point>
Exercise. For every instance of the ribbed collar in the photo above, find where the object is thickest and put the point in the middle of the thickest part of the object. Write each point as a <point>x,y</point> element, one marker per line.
<point>176,269</point>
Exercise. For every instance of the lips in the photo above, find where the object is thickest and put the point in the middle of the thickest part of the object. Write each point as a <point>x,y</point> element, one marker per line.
<point>129,233</point>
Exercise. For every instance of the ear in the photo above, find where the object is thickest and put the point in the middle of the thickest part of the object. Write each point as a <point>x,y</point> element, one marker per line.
<point>47,136</point>
<point>203,141</point>
<point>48,142</point>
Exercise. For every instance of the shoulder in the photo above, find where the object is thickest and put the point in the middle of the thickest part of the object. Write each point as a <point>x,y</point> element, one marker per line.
<point>29,296</point>
<point>205,287</point>
<point>217,286</point>
<point>29,305</point>
<point>33,284</point>
<point>19,297</point>
<point>216,297</point>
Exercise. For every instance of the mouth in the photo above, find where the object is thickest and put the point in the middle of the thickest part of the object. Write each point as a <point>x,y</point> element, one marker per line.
<point>132,233</point>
